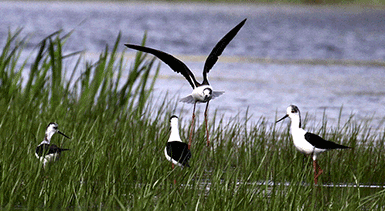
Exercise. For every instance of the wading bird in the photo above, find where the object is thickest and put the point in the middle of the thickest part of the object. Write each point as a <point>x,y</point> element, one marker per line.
<point>47,152</point>
<point>202,92</point>
<point>176,151</point>
<point>308,143</point>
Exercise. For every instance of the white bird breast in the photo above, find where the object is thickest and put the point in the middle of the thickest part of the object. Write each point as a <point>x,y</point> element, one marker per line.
<point>199,95</point>
<point>300,142</point>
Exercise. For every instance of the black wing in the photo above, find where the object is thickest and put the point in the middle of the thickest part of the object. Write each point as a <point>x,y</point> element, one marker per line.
<point>321,143</point>
<point>174,63</point>
<point>218,49</point>
<point>179,151</point>
<point>45,149</point>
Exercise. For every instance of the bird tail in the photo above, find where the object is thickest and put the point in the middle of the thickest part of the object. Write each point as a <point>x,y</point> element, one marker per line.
<point>63,149</point>
<point>339,146</point>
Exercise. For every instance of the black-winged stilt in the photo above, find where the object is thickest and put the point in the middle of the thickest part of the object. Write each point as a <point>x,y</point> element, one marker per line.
<point>202,92</point>
<point>47,152</point>
<point>176,151</point>
<point>308,143</point>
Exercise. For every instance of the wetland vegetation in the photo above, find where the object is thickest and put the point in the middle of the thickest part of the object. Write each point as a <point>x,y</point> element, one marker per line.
<point>118,135</point>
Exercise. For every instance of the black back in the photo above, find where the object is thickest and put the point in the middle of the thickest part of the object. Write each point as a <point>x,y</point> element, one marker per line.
<point>46,149</point>
<point>179,151</point>
<point>321,143</point>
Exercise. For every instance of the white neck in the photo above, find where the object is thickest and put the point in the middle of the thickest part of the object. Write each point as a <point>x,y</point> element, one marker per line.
<point>295,122</point>
<point>48,135</point>
<point>174,136</point>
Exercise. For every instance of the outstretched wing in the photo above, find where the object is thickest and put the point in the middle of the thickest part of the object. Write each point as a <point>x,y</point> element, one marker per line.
<point>218,49</point>
<point>174,63</point>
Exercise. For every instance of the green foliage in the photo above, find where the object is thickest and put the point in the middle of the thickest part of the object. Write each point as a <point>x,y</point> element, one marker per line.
<point>116,159</point>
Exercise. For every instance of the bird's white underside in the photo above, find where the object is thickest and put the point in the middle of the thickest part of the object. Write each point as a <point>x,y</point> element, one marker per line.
<point>170,158</point>
<point>199,98</point>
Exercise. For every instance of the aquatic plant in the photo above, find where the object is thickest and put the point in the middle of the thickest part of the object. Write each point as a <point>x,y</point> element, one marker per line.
<point>118,137</point>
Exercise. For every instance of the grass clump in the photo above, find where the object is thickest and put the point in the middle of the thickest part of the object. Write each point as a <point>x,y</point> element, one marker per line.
<point>118,135</point>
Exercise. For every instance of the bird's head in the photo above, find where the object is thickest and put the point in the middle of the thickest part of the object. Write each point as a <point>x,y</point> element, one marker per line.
<point>52,128</point>
<point>173,121</point>
<point>292,111</point>
<point>207,94</point>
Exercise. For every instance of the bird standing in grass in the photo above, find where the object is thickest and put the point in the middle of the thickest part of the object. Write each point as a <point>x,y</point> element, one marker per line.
<point>202,92</point>
<point>47,152</point>
<point>176,151</point>
<point>308,143</point>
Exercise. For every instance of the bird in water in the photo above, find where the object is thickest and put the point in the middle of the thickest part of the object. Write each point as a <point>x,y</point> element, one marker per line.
<point>202,92</point>
<point>47,152</point>
<point>308,143</point>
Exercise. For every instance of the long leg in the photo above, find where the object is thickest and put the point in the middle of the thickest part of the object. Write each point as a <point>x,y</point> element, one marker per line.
<point>207,131</point>
<point>172,166</point>
<point>192,126</point>
<point>316,168</point>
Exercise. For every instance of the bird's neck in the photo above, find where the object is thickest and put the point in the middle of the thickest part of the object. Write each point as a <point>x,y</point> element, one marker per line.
<point>295,123</point>
<point>174,136</point>
<point>48,136</point>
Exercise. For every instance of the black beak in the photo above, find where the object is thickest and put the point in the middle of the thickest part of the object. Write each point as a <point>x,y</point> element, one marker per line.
<point>63,134</point>
<point>282,118</point>
<point>207,98</point>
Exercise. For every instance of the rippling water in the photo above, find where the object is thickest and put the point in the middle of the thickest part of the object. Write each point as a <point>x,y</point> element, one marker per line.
<point>271,33</point>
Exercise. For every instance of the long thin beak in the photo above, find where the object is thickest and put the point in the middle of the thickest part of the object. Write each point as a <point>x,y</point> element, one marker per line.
<point>282,118</point>
<point>63,134</point>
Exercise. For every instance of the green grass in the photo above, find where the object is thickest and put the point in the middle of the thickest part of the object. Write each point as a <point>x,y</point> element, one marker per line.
<point>118,135</point>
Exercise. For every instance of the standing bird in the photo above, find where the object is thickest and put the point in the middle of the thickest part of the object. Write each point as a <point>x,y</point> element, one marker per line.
<point>47,152</point>
<point>202,92</point>
<point>308,143</point>
<point>176,151</point>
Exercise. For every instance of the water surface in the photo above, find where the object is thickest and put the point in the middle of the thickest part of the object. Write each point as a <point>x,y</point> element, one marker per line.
<point>251,70</point>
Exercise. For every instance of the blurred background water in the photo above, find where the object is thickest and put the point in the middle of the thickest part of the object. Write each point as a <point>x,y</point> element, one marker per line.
<point>316,57</point>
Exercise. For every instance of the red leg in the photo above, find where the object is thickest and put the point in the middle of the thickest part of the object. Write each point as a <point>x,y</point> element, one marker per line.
<point>207,131</point>
<point>316,174</point>
<point>172,166</point>
<point>192,127</point>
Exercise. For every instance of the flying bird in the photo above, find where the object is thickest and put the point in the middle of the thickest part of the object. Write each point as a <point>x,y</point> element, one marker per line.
<point>202,92</point>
